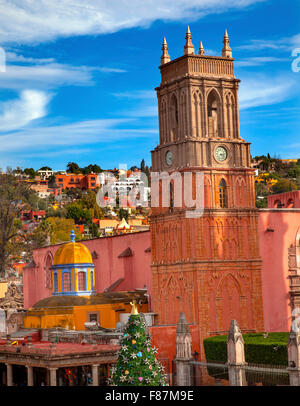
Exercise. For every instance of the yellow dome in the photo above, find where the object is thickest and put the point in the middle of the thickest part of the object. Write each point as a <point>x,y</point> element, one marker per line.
<point>72,253</point>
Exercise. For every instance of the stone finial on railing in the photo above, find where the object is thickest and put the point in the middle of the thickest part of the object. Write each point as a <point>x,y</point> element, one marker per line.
<point>235,345</point>
<point>183,353</point>
<point>293,348</point>
<point>183,339</point>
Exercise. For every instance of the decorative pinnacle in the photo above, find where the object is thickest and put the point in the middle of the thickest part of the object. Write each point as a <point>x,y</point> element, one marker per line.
<point>72,236</point>
<point>189,47</point>
<point>165,58</point>
<point>226,51</point>
<point>201,49</point>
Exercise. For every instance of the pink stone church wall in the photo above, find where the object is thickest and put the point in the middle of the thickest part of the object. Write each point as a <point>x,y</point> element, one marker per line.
<point>135,270</point>
<point>274,252</point>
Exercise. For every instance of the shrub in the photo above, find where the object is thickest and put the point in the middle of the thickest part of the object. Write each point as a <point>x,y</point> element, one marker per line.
<point>258,350</point>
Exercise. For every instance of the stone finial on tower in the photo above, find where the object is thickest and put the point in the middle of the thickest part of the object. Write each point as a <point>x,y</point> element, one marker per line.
<point>235,345</point>
<point>226,51</point>
<point>201,49</point>
<point>189,47</point>
<point>165,58</point>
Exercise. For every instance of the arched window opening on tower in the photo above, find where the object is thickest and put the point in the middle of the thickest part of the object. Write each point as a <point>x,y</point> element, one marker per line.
<point>213,115</point>
<point>174,117</point>
<point>171,197</point>
<point>223,194</point>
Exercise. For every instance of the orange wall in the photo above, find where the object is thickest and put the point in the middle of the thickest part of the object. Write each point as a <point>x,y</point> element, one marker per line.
<point>73,318</point>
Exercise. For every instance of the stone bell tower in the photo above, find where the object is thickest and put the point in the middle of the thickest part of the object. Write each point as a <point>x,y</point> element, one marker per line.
<point>207,267</point>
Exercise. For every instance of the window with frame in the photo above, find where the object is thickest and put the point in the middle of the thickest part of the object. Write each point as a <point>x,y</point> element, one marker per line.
<point>93,317</point>
<point>55,282</point>
<point>92,280</point>
<point>223,194</point>
<point>67,282</point>
<point>81,280</point>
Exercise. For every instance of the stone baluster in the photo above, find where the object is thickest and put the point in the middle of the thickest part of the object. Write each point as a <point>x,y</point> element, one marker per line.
<point>53,378</point>
<point>95,375</point>
<point>9,375</point>
<point>29,375</point>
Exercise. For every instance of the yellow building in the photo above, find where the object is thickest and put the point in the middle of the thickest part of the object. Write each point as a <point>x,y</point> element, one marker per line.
<point>74,300</point>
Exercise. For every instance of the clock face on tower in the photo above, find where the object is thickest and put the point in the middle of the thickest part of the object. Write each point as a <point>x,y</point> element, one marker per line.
<point>169,158</point>
<point>221,154</point>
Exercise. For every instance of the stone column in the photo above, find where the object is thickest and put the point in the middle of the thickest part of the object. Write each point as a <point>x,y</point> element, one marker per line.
<point>29,375</point>
<point>95,375</point>
<point>53,379</point>
<point>183,353</point>
<point>9,375</point>
<point>293,348</point>
<point>236,356</point>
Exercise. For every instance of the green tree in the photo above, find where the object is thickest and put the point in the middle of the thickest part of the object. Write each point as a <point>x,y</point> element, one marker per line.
<point>137,364</point>
<point>61,229</point>
<point>262,203</point>
<point>91,169</point>
<point>123,214</point>
<point>31,172</point>
<point>284,185</point>
<point>74,193</point>
<point>261,189</point>
<point>52,181</point>
<point>12,202</point>
<point>73,167</point>
<point>80,214</point>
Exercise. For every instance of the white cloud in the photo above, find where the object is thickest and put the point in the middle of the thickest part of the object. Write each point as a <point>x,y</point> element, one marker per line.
<point>264,91</point>
<point>18,113</point>
<point>258,61</point>
<point>44,76</point>
<point>286,43</point>
<point>137,94</point>
<point>14,57</point>
<point>41,138</point>
<point>35,21</point>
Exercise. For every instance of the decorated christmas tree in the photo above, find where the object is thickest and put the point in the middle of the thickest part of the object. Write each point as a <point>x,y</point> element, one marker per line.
<point>137,364</point>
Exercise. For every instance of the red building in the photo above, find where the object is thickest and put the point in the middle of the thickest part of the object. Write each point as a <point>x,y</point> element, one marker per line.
<point>83,182</point>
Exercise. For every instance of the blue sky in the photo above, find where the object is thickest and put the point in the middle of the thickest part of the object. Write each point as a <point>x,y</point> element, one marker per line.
<point>79,77</point>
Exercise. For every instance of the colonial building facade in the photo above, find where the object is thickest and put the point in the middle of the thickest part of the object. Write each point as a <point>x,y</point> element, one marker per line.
<point>207,267</point>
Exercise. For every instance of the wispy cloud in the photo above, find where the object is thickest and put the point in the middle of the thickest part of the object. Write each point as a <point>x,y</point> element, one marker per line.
<point>15,114</point>
<point>43,20</point>
<point>258,61</point>
<point>286,43</point>
<point>137,94</point>
<point>49,75</point>
<point>90,132</point>
<point>264,91</point>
